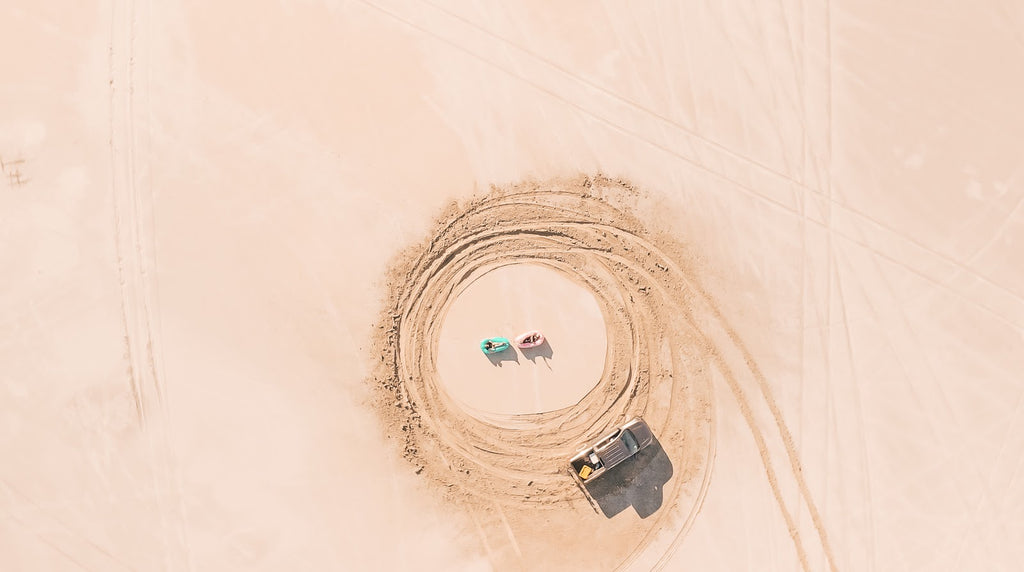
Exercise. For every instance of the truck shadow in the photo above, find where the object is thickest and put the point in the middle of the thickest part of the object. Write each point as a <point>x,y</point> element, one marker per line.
<point>639,482</point>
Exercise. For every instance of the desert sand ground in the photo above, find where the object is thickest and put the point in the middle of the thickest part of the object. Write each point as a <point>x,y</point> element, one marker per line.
<point>249,249</point>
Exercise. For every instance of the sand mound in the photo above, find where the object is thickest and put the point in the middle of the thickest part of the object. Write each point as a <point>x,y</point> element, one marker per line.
<point>571,227</point>
<point>665,341</point>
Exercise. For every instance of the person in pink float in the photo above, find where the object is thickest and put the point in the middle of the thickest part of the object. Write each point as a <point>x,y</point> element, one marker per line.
<point>530,339</point>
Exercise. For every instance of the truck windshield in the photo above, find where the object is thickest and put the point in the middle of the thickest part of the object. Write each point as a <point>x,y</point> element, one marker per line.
<point>630,441</point>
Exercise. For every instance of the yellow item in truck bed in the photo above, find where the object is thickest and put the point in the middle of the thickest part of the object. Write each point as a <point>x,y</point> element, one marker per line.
<point>585,471</point>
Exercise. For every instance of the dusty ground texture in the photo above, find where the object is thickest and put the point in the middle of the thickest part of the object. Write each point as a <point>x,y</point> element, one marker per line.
<point>656,364</point>
<point>667,340</point>
<point>199,203</point>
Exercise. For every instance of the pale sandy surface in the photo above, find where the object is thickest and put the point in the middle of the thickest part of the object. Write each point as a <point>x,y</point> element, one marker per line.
<point>509,301</point>
<point>199,200</point>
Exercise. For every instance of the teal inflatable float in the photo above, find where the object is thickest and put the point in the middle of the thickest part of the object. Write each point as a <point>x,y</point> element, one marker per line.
<point>495,345</point>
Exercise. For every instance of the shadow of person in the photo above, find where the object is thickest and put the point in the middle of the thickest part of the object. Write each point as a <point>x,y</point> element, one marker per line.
<point>543,351</point>
<point>638,482</point>
<point>507,355</point>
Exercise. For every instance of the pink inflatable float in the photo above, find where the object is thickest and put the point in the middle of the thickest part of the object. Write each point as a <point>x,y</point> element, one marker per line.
<point>530,339</point>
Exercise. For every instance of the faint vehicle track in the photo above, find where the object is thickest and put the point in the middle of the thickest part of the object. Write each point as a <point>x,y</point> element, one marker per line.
<point>135,246</point>
<point>774,186</point>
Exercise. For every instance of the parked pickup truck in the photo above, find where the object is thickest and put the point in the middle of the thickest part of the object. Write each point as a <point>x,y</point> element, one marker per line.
<point>611,450</point>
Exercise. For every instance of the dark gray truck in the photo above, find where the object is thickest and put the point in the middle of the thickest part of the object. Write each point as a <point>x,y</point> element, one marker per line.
<point>612,449</point>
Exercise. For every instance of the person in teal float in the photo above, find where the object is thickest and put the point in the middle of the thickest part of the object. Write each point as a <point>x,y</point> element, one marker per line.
<point>495,345</point>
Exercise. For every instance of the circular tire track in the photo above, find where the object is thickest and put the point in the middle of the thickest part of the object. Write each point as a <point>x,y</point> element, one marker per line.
<point>658,363</point>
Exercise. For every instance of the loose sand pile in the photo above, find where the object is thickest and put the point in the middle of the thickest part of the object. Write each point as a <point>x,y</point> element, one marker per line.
<point>658,363</point>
